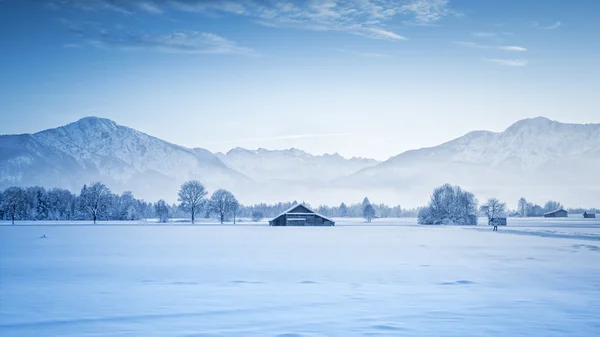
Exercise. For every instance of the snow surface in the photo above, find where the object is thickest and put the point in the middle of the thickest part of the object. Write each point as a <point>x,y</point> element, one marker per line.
<point>389,278</point>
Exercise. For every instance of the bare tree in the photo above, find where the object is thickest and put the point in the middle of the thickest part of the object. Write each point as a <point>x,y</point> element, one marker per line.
<point>493,208</point>
<point>222,202</point>
<point>96,199</point>
<point>14,202</point>
<point>191,196</point>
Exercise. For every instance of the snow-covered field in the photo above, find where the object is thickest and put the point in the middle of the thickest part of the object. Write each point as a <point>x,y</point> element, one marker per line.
<point>533,278</point>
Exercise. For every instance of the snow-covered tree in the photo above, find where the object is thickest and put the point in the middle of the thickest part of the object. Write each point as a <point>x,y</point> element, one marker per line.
<point>552,205</point>
<point>368,212</point>
<point>343,210</point>
<point>522,207</point>
<point>191,197</point>
<point>222,203</point>
<point>61,204</point>
<point>95,199</point>
<point>235,208</point>
<point>493,208</point>
<point>162,211</point>
<point>14,203</point>
<point>257,216</point>
<point>450,205</point>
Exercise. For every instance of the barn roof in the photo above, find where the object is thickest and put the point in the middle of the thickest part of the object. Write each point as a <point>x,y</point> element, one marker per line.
<point>310,211</point>
<point>555,211</point>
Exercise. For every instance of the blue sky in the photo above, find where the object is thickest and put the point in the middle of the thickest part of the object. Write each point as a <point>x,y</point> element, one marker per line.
<point>358,77</point>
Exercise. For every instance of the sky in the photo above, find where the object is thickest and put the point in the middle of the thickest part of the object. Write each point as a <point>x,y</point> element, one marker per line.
<point>365,78</point>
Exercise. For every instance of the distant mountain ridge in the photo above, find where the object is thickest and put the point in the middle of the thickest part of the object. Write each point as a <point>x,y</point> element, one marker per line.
<point>292,165</point>
<point>536,158</point>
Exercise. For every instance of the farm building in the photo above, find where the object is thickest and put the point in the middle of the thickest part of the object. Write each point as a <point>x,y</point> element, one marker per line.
<point>589,215</point>
<point>498,222</point>
<point>559,213</point>
<point>300,215</point>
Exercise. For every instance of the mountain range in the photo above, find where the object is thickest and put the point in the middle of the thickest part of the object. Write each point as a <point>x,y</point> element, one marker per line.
<point>536,158</point>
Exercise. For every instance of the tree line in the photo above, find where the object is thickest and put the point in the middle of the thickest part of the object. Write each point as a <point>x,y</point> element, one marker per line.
<point>448,205</point>
<point>97,202</point>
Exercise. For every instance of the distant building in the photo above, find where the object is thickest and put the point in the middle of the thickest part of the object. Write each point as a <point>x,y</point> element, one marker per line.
<point>559,213</point>
<point>498,222</point>
<point>589,215</point>
<point>300,215</point>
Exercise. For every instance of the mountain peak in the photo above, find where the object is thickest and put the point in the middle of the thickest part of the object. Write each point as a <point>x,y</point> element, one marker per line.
<point>96,121</point>
<point>537,123</point>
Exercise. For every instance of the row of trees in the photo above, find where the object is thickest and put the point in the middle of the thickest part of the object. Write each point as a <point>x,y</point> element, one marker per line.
<point>528,209</point>
<point>448,205</point>
<point>452,205</point>
<point>97,202</point>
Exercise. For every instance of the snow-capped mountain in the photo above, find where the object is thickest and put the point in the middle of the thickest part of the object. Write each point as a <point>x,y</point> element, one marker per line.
<point>536,158</point>
<point>292,165</point>
<point>94,149</point>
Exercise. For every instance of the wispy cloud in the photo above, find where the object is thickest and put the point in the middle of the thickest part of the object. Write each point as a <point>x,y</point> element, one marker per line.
<point>150,7</point>
<point>484,34</point>
<point>554,26</point>
<point>509,62</point>
<point>427,12</point>
<point>183,42</point>
<point>550,27</point>
<point>364,54</point>
<point>480,46</point>
<point>368,18</point>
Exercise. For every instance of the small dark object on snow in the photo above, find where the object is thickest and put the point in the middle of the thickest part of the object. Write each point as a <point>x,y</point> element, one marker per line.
<point>495,228</point>
<point>43,236</point>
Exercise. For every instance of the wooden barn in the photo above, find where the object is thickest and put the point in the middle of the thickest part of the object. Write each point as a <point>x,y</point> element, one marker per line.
<point>559,213</point>
<point>589,215</point>
<point>300,215</point>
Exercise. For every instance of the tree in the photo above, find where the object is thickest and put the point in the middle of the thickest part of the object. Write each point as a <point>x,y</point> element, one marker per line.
<point>14,201</point>
<point>257,216</point>
<point>222,202</point>
<point>95,199</point>
<point>235,208</point>
<point>162,211</point>
<point>368,212</point>
<point>61,204</point>
<point>365,202</point>
<point>493,208</point>
<point>450,205</point>
<point>552,205</point>
<point>343,210</point>
<point>191,196</point>
<point>522,207</point>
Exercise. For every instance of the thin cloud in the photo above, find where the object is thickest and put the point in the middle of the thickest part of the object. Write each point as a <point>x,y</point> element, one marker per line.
<point>368,18</point>
<point>150,7</point>
<point>554,26</point>
<point>184,42</point>
<point>509,62</point>
<point>551,27</point>
<point>511,48</point>
<point>480,46</point>
<point>484,34</point>
<point>364,54</point>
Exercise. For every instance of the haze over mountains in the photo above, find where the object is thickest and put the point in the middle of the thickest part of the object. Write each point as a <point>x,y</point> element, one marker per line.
<point>535,158</point>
